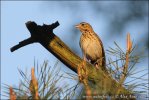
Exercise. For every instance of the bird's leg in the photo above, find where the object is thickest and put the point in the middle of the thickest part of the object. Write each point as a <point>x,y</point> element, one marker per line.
<point>97,66</point>
<point>89,60</point>
<point>84,60</point>
<point>84,65</point>
<point>98,63</point>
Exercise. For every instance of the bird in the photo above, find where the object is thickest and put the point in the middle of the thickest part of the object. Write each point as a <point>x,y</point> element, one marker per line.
<point>91,46</point>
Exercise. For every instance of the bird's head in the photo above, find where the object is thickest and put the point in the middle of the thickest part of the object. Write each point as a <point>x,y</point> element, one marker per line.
<point>83,26</point>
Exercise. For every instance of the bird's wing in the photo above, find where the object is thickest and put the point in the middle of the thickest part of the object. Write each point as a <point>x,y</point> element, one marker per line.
<point>80,43</point>
<point>103,52</point>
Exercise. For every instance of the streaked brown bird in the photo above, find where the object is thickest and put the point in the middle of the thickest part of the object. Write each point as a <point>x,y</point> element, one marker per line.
<point>91,46</point>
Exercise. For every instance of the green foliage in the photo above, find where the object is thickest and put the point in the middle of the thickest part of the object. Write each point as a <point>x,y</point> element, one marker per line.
<point>50,84</point>
<point>136,80</point>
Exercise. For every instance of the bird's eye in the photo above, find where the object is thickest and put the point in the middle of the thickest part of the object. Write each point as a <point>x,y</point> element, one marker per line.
<point>82,24</point>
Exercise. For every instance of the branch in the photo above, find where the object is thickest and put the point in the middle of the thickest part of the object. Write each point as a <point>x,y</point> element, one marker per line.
<point>125,68</point>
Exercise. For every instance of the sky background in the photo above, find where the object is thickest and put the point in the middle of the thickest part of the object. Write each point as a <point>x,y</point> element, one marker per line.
<point>111,20</point>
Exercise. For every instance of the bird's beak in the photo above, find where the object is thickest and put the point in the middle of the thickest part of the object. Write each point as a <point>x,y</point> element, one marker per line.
<point>77,26</point>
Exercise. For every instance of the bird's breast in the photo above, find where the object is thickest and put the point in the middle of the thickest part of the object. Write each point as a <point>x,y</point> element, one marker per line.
<point>91,47</point>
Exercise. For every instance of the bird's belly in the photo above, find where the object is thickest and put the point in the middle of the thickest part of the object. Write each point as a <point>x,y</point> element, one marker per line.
<point>92,49</point>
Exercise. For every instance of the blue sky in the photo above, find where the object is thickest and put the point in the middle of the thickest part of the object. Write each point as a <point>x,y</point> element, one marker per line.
<point>14,15</point>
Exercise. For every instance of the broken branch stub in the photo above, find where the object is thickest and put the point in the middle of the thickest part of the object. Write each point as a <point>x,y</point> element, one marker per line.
<point>37,33</point>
